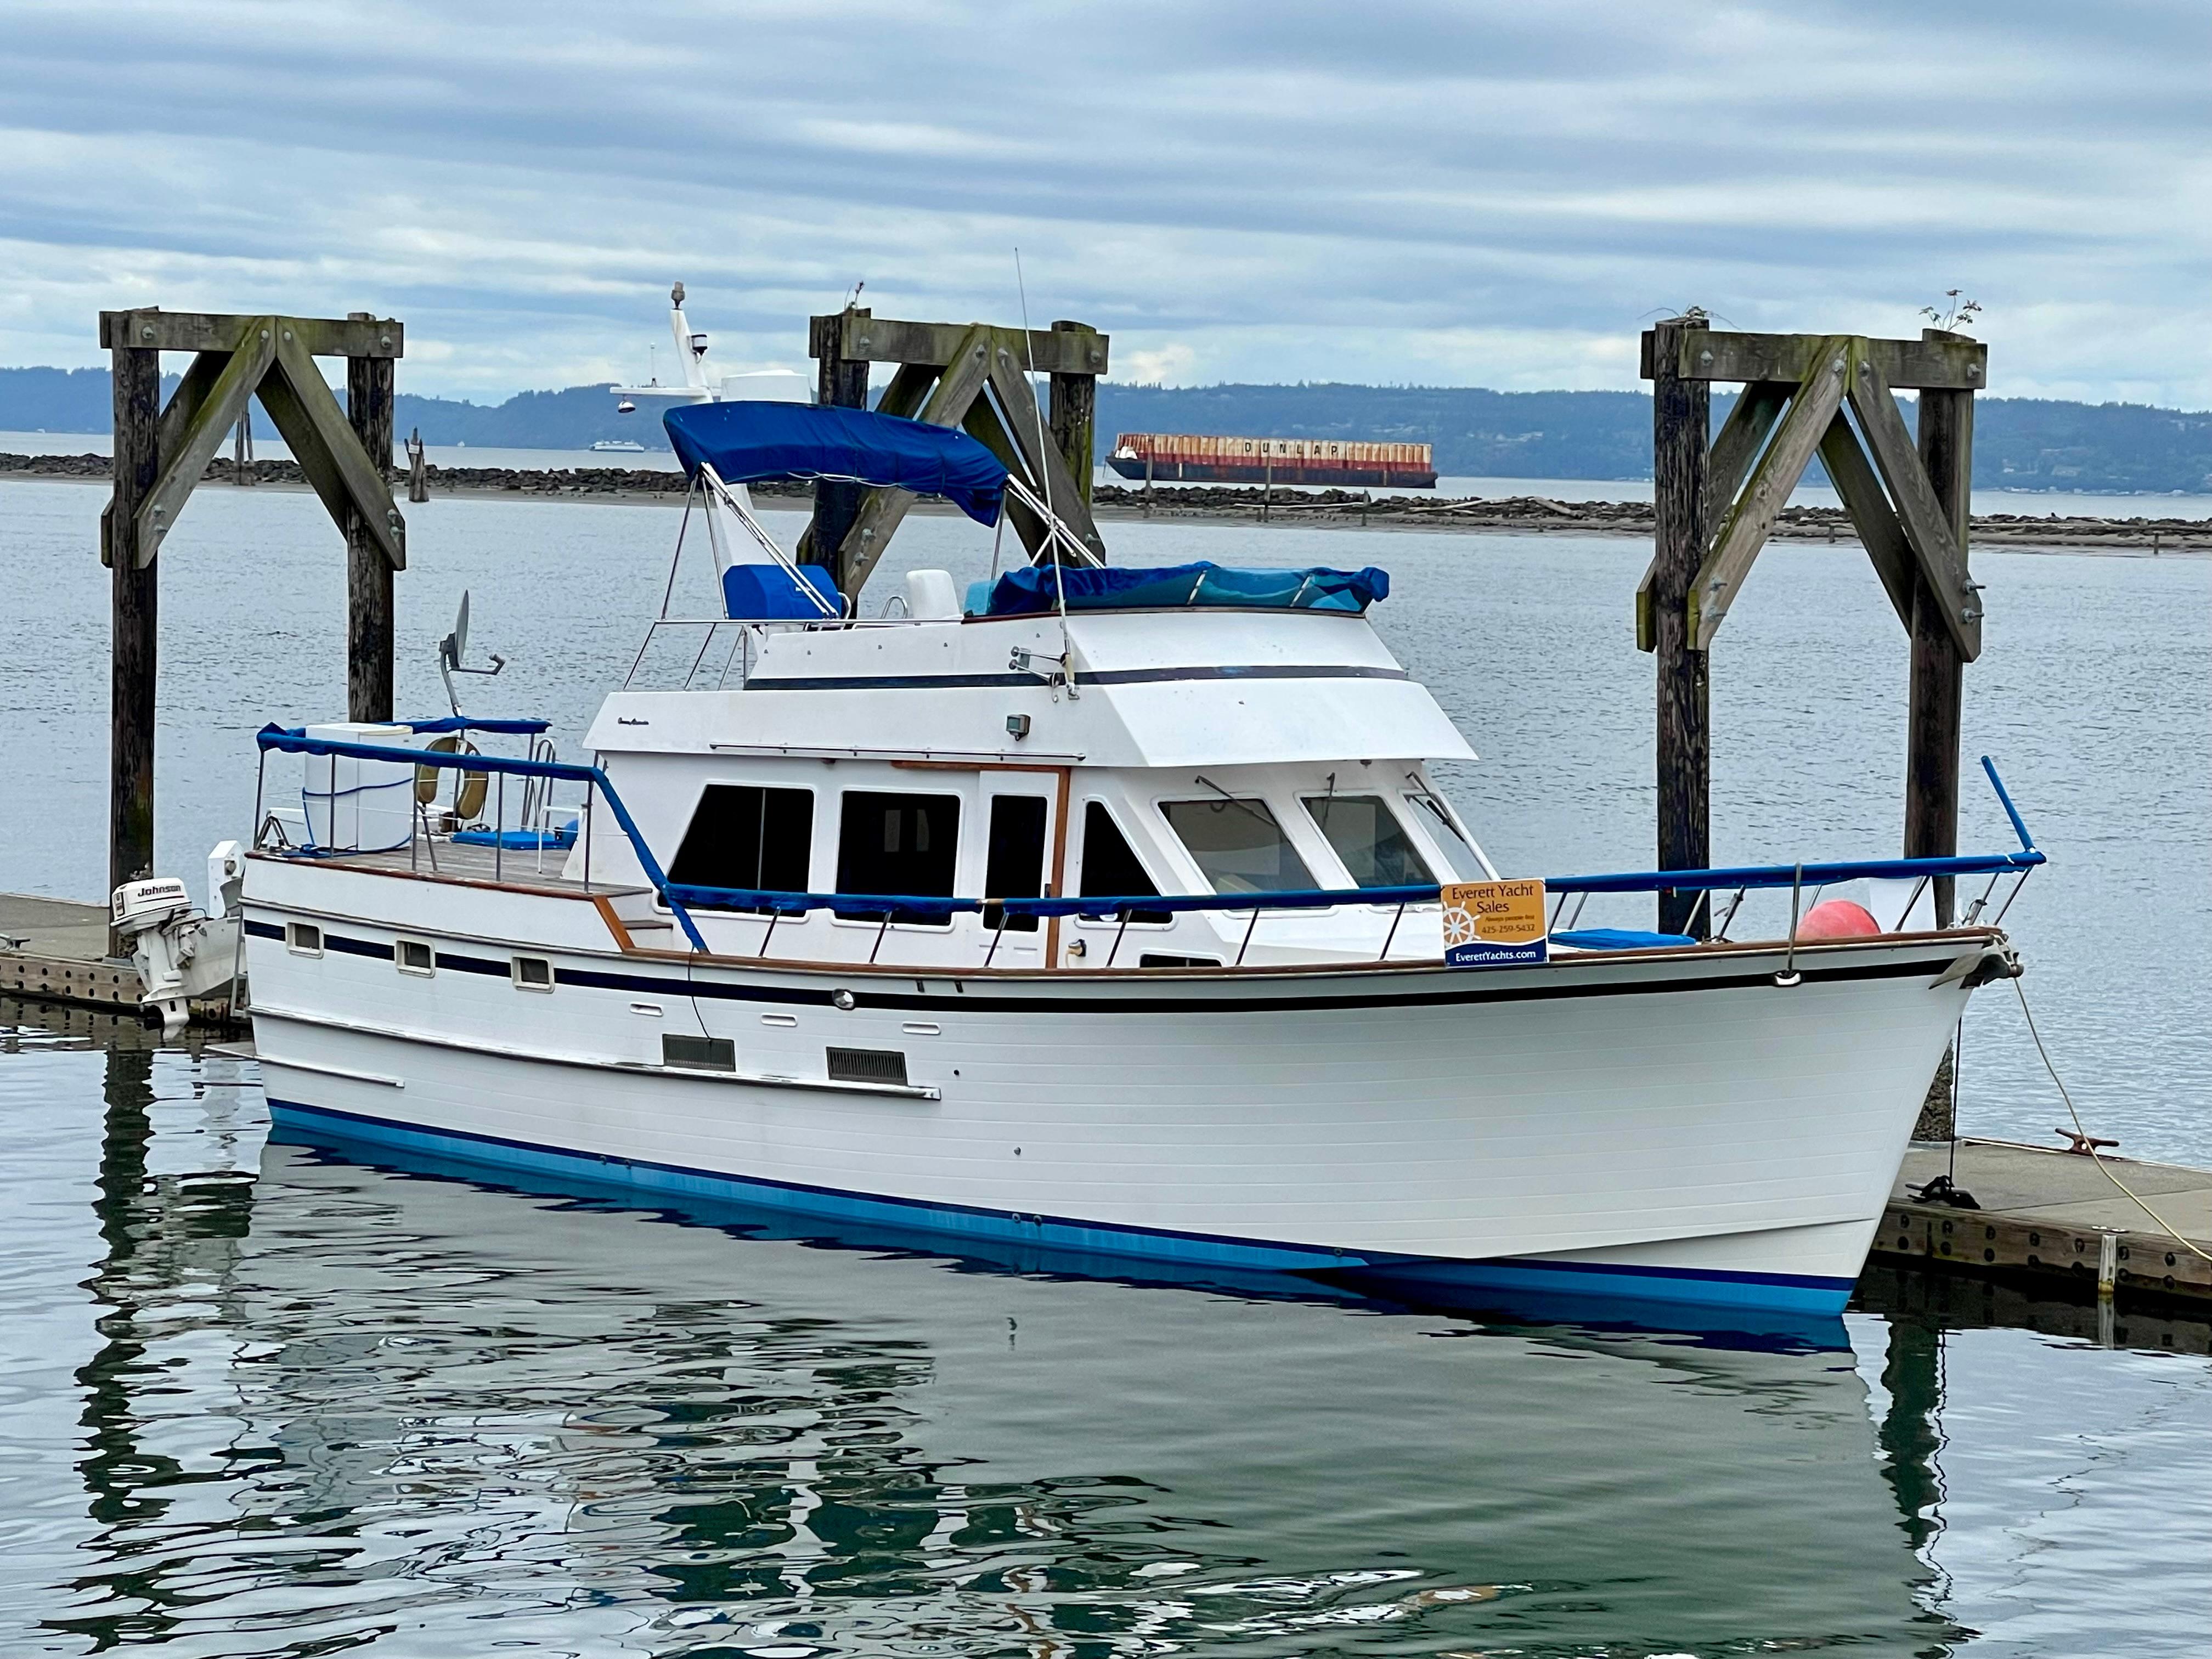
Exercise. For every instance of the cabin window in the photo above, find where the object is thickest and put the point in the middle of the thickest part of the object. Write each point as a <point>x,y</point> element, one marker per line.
<point>412,956</point>
<point>903,844</point>
<point>1014,864</point>
<point>1109,869</point>
<point>1238,845</point>
<point>747,836</point>
<point>303,938</point>
<point>1366,834</point>
<point>1458,852</point>
<point>531,973</point>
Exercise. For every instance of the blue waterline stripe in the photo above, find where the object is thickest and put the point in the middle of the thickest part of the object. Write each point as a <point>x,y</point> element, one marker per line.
<point>1790,1292</point>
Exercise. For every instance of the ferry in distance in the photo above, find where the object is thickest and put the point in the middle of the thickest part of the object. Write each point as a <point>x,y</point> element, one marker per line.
<point>1107,910</point>
<point>617,446</point>
<point>1185,457</point>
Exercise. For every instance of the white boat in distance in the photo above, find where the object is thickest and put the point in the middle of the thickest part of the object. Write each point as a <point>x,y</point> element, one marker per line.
<point>1099,910</point>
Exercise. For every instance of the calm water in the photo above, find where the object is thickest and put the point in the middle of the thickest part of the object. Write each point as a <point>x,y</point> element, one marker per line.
<point>261,1399</point>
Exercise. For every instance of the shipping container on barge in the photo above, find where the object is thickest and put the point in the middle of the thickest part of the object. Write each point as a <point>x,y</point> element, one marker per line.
<point>1183,457</point>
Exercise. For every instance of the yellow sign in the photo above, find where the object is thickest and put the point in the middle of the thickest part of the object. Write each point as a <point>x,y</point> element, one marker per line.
<point>1494,924</point>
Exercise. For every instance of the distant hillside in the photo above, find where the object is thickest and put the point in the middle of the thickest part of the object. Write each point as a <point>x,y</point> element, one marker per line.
<point>2022,443</point>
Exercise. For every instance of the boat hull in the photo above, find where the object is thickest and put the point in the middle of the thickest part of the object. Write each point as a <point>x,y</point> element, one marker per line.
<point>1675,1127</point>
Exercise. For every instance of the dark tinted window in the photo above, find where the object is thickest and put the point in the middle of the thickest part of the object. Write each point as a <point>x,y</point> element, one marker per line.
<point>899,844</point>
<point>743,835</point>
<point>1014,866</point>
<point>1109,868</point>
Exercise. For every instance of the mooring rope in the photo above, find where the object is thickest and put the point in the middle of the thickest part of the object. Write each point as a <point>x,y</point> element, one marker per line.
<point>2142,1203</point>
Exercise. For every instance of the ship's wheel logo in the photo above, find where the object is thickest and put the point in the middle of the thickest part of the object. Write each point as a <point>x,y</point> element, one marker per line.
<point>1459,927</point>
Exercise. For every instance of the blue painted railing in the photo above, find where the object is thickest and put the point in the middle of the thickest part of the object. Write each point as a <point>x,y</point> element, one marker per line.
<point>681,897</point>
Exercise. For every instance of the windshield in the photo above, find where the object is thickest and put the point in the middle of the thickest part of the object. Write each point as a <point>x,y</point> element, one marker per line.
<point>1376,850</point>
<point>1238,846</point>
<point>1466,867</point>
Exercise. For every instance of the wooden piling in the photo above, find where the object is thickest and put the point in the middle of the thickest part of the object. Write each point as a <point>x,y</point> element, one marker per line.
<point>418,468</point>
<point>1945,444</point>
<point>1681,416</point>
<point>368,572</point>
<point>1072,413</point>
<point>841,381</point>
<point>134,619</point>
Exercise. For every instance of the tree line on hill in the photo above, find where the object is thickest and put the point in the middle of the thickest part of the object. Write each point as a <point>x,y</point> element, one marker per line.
<point>2020,443</point>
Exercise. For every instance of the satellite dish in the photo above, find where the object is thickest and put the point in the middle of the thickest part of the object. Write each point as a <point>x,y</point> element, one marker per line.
<point>451,651</point>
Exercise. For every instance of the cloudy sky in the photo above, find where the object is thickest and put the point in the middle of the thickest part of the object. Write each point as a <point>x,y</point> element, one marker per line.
<point>1479,193</point>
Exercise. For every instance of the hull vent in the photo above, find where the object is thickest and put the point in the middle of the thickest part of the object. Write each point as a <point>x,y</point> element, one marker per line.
<point>699,1054</point>
<point>867,1066</point>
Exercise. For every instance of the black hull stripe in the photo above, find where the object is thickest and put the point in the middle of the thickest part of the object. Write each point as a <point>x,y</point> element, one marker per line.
<point>867,996</point>
<point>1102,677</point>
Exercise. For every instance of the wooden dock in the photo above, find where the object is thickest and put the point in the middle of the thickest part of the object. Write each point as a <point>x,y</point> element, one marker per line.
<point>2052,1219</point>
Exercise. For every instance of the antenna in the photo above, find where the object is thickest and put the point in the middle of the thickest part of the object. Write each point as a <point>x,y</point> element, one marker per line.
<point>454,647</point>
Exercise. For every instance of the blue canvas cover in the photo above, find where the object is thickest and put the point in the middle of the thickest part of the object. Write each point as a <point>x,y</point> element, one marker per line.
<point>745,441</point>
<point>1034,589</point>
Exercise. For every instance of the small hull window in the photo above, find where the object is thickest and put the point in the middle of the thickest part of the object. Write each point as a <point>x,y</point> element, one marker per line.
<point>1366,834</point>
<point>531,973</point>
<point>1238,845</point>
<point>413,955</point>
<point>303,939</point>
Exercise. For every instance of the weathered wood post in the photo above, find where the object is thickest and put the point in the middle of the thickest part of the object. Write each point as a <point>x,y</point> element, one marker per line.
<point>137,371</point>
<point>1148,483</point>
<point>1681,417</point>
<point>418,468</point>
<point>1072,412</point>
<point>843,381</point>
<point>1267,487</point>
<point>1938,675</point>
<point>368,572</point>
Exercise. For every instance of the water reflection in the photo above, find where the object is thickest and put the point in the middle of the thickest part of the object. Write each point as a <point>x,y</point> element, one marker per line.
<point>343,1405</point>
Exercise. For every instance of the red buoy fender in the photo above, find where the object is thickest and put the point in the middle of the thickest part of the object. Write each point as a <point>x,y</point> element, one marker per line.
<point>1838,919</point>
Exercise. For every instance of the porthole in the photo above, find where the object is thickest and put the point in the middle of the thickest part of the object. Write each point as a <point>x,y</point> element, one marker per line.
<point>532,974</point>
<point>413,955</point>
<point>303,939</point>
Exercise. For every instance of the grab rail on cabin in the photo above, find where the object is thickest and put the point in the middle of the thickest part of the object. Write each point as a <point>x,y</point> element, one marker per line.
<point>680,897</point>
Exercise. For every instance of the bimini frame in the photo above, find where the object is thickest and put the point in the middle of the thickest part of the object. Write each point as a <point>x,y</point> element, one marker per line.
<point>1059,544</point>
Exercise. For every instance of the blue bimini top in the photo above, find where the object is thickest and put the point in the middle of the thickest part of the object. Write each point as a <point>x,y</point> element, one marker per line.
<point>1037,589</point>
<point>747,441</point>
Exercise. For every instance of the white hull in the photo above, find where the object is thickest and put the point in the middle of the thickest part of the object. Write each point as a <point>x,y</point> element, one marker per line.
<point>1668,1124</point>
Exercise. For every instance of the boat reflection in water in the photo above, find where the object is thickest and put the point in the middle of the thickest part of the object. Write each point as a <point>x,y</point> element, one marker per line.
<point>410,1403</point>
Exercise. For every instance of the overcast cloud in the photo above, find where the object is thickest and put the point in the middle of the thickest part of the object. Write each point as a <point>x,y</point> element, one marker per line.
<point>1477,194</point>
